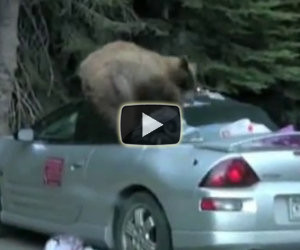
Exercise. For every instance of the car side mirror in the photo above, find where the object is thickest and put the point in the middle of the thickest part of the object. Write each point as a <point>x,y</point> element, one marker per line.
<point>26,134</point>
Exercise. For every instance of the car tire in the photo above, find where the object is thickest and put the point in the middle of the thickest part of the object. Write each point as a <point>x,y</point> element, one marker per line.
<point>141,224</point>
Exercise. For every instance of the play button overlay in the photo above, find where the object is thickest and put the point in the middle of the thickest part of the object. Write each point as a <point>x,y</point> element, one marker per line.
<point>150,124</point>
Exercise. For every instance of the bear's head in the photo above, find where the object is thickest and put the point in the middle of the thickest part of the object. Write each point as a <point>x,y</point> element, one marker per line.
<point>182,72</point>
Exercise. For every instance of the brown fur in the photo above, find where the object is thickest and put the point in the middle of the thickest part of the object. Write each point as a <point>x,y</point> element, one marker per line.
<point>121,72</point>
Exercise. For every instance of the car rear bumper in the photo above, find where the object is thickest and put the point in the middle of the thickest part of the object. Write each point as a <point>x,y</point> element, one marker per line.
<point>259,240</point>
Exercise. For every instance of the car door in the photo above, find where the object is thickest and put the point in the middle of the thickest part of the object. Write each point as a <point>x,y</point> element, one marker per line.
<point>44,176</point>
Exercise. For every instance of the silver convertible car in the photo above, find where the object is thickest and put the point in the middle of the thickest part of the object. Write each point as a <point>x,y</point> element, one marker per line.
<point>68,173</point>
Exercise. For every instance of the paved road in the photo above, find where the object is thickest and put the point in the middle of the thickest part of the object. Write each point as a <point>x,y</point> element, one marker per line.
<point>22,240</point>
<point>16,239</point>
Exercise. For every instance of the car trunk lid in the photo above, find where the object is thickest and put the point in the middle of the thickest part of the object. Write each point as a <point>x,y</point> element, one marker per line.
<point>254,143</point>
<point>273,156</point>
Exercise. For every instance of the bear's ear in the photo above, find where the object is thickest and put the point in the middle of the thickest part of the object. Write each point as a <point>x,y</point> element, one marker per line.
<point>184,62</point>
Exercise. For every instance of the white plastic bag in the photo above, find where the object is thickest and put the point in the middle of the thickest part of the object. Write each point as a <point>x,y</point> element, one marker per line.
<point>65,242</point>
<point>214,95</point>
<point>242,127</point>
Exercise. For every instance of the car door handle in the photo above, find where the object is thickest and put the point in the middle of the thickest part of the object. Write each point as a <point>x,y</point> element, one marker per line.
<point>77,165</point>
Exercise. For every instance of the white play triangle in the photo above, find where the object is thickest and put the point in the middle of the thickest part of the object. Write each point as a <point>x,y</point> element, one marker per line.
<point>149,124</point>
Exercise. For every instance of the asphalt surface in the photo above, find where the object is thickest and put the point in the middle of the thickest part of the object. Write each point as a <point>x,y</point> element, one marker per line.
<point>18,239</point>
<point>21,240</point>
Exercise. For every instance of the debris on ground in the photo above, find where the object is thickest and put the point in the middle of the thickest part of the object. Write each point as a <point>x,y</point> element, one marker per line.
<point>66,242</point>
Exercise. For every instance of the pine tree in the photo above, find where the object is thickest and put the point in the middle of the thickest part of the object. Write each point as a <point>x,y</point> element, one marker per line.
<point>247,45</point>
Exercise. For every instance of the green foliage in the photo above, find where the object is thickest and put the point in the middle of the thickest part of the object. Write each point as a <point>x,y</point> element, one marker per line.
<point>240,46</point>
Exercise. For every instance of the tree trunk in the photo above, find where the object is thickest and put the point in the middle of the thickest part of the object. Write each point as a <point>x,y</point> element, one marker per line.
<point>9,12</point>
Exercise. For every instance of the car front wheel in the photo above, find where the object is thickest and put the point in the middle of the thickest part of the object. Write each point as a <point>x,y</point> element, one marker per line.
<point>141,225</point>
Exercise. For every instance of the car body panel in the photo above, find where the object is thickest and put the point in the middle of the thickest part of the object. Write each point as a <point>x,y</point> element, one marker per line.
<point>31,197</point>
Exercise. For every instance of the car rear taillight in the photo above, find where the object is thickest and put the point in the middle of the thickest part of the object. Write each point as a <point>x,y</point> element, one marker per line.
<point>230,173</point>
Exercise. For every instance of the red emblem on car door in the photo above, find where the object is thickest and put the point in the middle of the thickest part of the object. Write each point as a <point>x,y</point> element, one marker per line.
<point>53,171</point>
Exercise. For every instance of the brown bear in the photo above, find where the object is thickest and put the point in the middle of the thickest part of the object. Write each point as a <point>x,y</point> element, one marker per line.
<point>121,72</point>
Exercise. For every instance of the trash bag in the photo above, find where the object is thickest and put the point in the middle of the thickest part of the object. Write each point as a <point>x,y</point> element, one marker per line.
<point>242,127</point>
<point>287,129</point>
<point>65,242</point>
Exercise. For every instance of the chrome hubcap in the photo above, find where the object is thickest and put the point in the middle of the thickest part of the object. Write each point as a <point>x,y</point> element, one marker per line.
<point>139,231</point>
